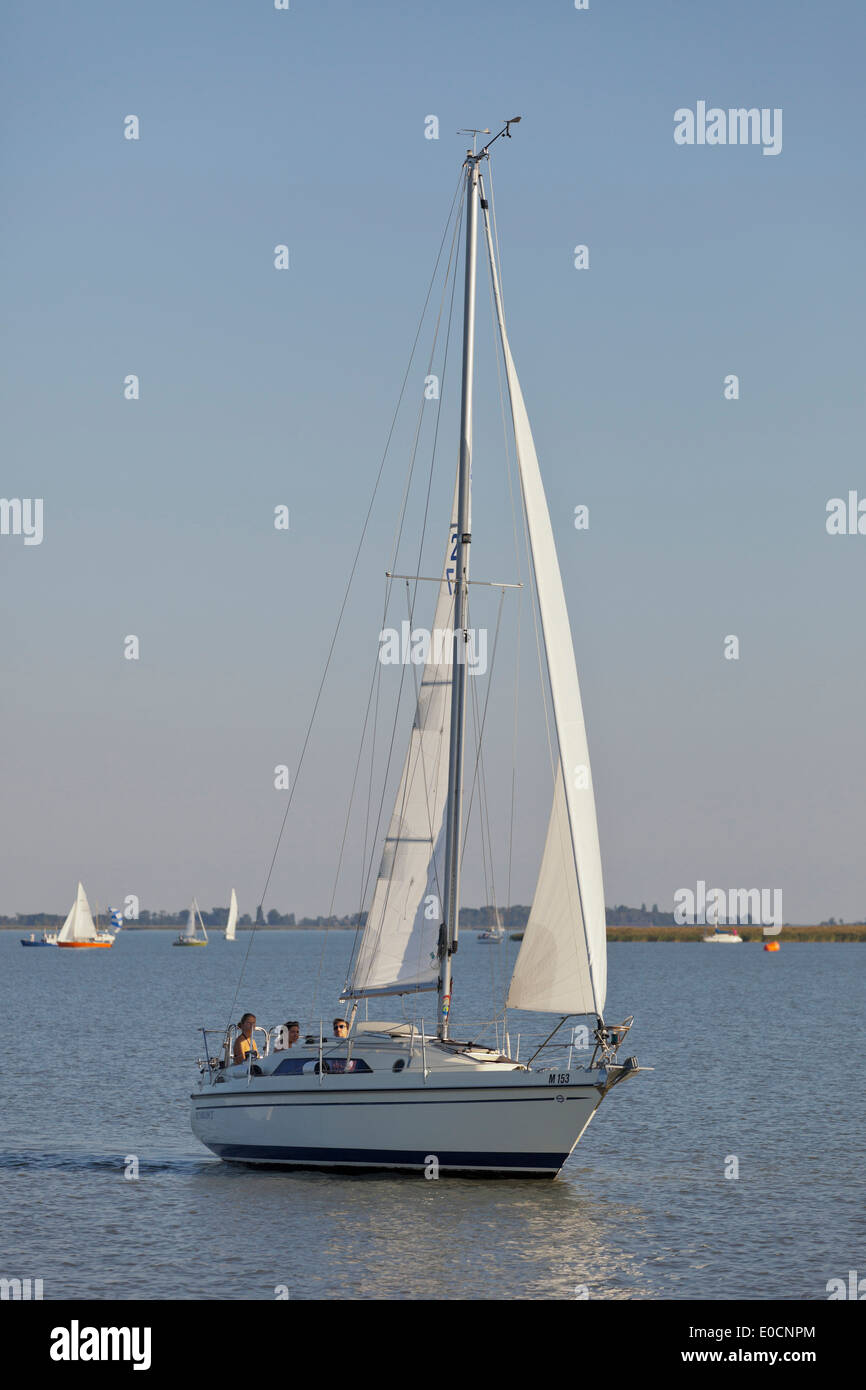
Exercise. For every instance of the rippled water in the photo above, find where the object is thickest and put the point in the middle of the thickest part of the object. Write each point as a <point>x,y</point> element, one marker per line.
<point>756,1057</point>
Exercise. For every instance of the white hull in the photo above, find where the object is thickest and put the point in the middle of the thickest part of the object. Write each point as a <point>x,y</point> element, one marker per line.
<point>469,1116</point>
<point>724,938</point>
<point>505,1129</point>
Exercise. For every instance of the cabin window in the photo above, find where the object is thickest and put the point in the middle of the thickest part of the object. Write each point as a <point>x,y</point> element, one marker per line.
<point>399,1064</point>
<point>290,1066</point>
<point>336,1066</point>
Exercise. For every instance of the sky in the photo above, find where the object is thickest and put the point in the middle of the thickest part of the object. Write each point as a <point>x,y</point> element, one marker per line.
<point>707,516</point>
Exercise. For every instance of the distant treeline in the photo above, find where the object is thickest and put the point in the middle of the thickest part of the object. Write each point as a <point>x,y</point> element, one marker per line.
<point>512,918</point>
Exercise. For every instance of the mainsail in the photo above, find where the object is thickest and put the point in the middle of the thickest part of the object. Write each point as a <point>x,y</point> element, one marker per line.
<point>562,965</point>
<point>79,923</point>
<point>231,924</point>
<point>398,953</point>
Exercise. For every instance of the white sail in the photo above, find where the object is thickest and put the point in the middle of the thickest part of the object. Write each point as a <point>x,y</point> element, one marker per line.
<point>232,923</point>
<point>562,965</point>
<point>398,948</point>
<point>79,924</point>
<point>189,930</point>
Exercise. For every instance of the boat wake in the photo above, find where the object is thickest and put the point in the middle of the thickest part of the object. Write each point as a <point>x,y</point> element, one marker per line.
<point>37,1161</point>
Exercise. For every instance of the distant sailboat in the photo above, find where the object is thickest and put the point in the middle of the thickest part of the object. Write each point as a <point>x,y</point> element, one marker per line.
<point>723,937</point>
<point>189,936</point>
<point>495,933</point>
<point>79,928</point>
<point>232,923</point>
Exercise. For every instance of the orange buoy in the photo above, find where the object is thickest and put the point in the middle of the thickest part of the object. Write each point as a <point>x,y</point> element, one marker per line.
<point>771,946</point>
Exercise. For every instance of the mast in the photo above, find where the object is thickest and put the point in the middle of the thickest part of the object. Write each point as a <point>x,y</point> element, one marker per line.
<point>449,929</point>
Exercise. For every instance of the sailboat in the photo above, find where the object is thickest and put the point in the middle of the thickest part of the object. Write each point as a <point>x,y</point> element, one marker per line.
<point>397,1095</point>
<point>724,937</point>
<point>232,923</point>
<point>190,934</point>
<point>79,928</point>
<point>493,934</point>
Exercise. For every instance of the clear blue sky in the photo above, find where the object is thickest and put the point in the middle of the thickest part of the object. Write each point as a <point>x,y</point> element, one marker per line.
<point>707,516</point>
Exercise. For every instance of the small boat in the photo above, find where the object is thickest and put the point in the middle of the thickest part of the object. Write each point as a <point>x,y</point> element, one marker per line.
<point>398,1095</point>
<point>189,936</point>
<point>79,930</point>
<point>46,939</point>
<point>721,934</point>
<point>232,923</point>
<point>494,934</point>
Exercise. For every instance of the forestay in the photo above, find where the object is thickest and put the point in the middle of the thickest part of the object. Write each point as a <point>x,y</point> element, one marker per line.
<point>398,953</point>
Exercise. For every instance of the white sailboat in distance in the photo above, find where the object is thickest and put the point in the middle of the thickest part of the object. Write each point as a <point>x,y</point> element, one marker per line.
<point>194,933</point>
<point>232,923</point>
<point>723,936</point>
<point>390,1095</point>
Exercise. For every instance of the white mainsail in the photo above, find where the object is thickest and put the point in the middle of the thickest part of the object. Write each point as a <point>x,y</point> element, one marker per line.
<point>562,965</point>
<point>231,924</point>
<point>399,945</point>
<point>79,924</point>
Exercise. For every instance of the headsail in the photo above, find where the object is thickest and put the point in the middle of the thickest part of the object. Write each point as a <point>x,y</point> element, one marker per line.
<point>398,953</point>
<point>562,965</point>
<point>79,923</point>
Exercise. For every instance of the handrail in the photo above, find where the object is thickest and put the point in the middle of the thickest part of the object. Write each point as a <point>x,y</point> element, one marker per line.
<point>538,1043</point>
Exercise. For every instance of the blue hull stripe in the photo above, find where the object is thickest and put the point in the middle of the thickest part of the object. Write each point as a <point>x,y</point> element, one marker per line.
<point>303,1101</point>
<point>376,1158</point>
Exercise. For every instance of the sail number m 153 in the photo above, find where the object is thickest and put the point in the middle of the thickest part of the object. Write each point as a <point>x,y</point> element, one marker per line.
<point>559,1078</point>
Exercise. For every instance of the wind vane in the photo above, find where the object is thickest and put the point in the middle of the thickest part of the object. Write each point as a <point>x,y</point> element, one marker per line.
<point>506,130</point>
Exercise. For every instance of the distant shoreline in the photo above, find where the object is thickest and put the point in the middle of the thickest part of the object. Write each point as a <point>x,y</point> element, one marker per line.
<point>855,931</point>
<point>849,931</point>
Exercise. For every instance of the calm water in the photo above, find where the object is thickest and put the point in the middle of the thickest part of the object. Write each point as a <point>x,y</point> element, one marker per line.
<point>756,1056</point>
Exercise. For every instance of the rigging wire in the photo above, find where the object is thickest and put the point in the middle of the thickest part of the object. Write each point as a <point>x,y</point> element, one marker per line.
<point>375,683</point>
<point>479,778</point>
<point>543,667</point>
<point>375,839</point>
<point>372,843</point>
<point>354,566</point>
<point>510,470</point>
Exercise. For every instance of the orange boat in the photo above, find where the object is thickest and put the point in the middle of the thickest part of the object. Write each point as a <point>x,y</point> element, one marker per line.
<point>79,930</point>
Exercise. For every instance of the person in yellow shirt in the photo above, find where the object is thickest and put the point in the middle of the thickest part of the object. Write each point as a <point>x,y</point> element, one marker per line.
<point>245,1043</point>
